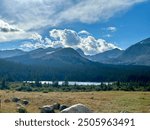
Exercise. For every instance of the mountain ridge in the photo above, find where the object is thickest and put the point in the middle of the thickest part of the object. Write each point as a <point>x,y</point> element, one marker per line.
<point>137,54</point>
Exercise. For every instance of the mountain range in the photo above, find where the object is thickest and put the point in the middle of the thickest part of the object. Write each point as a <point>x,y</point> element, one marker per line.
<point>11,53</point>
<point>137,54</point>
<point>61,63</point>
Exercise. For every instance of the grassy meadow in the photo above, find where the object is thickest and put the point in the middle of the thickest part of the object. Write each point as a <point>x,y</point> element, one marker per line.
<point>107,102</point>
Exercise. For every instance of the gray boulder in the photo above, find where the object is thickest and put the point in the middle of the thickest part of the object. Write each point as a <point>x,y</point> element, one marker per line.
<point>15,99</point>
<point>56,106</point>
<point>19,105</point>
<point>62,107</point>
<point>47,109</point>
<point>77,108</point>
<point>21,110</point>
<point>25,102</point>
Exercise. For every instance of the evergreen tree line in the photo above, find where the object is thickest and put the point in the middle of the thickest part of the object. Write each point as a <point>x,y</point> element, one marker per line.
<point>65,87</point>
<point>95,73</point>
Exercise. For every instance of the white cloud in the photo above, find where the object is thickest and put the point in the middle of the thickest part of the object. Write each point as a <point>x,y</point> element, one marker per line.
<point>36,42</point>
<point>112,29</point>
<point>70,38</point>
<point>5,27</point>
<point>37,37</point>
<point>91,46</point>
<point>84,32</point>
<point>31,15</point>
<point>34,14</point>
<point>10,32</point>
<point>27,46</point>
<point>9,36</point>
<point>91,11</point>
<point>66,37</point>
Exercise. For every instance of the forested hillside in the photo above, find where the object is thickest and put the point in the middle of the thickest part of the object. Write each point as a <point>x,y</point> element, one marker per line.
<point>73,72</point>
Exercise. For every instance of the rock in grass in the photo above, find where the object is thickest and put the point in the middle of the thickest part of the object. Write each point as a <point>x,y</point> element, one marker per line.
<point>47,109</point>
<point>56,106</point>
<point>15,99</point>
<point>77,108</point>
<point>19,105</point>
<point>25,102</point>
<point>62,107</point>
<point>21,110</point>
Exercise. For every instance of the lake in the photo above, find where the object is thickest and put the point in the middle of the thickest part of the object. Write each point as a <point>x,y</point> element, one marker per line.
<point>73,83</point>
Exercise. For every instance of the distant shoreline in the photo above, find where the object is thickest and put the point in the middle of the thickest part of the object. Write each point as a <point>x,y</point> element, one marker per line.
<point>73,82</point>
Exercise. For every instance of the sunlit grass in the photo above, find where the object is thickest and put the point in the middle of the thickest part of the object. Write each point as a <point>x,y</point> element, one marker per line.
<point>113,101</point>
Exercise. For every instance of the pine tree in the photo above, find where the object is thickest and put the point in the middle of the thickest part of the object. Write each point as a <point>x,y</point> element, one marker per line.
<point>3,84</point>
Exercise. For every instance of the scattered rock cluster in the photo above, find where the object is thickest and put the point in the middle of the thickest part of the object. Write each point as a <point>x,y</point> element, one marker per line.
<point>56,107</point>
<point>20,104</point>
<point>52,108</point>
<point>23,102</point>
<point>77,108</point>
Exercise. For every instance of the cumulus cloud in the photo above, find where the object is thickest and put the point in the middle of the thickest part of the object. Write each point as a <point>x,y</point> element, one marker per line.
<point>31,46</point>
<point>33,14</point>
<point>37,41</point>
<point>84,32</point>
<point>37,37</point>
<point>27,46</point>
<point>91,45</point>
<point>70,38</point>
<point>67,37</point>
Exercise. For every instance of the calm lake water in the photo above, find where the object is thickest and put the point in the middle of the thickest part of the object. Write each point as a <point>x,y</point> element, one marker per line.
<point>73,82</point>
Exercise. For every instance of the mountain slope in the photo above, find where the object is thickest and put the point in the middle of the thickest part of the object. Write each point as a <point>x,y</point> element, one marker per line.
<point>95,72</point>
<point>67,55</point>
<point>40,52</point>
<point>106,56</point>
<point>51,56</point>
<point>11,53</point>
<point>80,52</point>
<point>138,54</point>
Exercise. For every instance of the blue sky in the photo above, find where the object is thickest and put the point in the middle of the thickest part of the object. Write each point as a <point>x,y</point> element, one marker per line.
<point>107,24</point>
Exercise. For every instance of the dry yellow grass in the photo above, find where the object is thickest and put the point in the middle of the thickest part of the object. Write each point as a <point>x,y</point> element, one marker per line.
<point>96,101</point>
